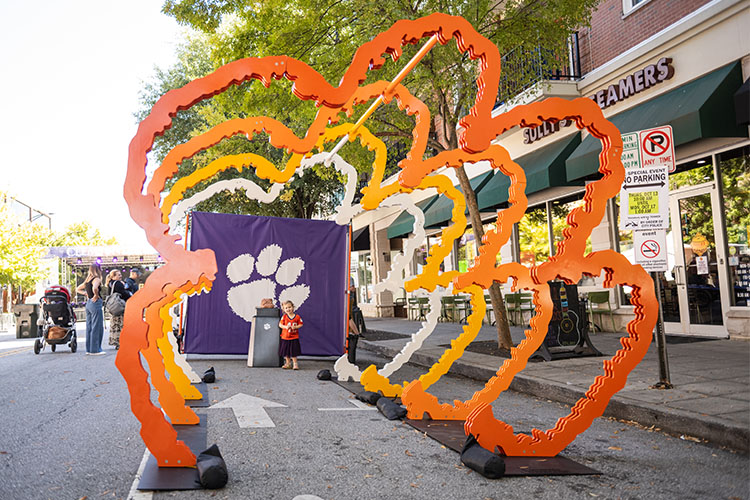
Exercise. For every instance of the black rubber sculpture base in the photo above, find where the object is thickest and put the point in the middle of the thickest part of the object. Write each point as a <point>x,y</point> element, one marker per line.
<point>177,478</point>
<point>451,434</point>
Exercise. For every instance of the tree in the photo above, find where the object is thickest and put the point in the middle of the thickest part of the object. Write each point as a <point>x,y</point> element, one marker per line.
<point>315,193</point>
<point>80,234</point>
<point>22,245</point>
<point>326,33</point>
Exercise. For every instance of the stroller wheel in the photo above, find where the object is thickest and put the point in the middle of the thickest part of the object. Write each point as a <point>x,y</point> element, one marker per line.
<point>37,346</point>
<point>53,347</point>
<point>73,345</point>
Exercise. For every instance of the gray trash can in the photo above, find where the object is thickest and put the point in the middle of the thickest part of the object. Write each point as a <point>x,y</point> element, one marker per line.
<point>263,350</point>
<point>26,318</point>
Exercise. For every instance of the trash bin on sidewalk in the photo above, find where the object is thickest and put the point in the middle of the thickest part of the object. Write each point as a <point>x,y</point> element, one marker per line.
<point>351,348</point>
<point>26,318</point>
<point>263,350</point>
<point>355,313</point>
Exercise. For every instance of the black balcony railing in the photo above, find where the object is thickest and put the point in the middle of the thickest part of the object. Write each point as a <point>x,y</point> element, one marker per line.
<point>523,68</point>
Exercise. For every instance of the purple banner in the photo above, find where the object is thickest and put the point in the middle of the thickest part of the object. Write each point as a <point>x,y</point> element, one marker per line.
<point>300,260</point>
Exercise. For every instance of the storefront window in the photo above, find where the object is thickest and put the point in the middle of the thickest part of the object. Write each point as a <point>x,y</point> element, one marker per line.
<point>560,211</point>
<point>534,236</point>
<point>491,227</point>
<point>735,174</point>
<point>420,258</point>
<point>363,277</point>
<point>692,174</point>
<point>669,294</point>
<point>467,250</point>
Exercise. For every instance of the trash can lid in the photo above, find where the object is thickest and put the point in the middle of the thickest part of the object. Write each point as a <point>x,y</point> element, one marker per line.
<point>268,312</point>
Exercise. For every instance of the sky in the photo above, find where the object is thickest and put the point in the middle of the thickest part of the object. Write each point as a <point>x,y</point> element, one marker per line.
<point>70,75</point>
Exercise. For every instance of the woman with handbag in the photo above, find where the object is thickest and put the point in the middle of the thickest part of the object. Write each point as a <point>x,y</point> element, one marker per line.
<point>91,287</point>
<point>117,311</point>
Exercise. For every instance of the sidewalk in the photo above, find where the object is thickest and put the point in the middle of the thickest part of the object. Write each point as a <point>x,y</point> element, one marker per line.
<point>711,378</point>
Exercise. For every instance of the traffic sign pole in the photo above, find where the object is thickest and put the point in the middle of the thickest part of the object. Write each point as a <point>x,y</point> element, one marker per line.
<point>648,157</point>
<point>661,341</point>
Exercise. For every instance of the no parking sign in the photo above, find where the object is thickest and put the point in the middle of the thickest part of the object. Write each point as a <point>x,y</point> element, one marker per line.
<point>644,198</point>
<point>657,147</point>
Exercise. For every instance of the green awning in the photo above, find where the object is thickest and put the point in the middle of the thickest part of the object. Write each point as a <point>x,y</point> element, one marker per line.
<point>442,210</point>
<point>699,109</point>
<point>361,239</point>
<point>404,223</point>
<point>544,168</point>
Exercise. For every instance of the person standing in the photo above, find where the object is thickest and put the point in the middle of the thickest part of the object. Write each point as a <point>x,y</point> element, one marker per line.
<point>115,285</point>
<point>289,348</point>
<point>91,287</point>
<point>131,282</point>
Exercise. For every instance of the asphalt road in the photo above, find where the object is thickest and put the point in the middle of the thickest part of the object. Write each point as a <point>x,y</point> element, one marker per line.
<point>68,433</point>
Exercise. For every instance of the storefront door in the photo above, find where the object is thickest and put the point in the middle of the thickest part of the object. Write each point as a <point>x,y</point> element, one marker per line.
<point>695,291</point>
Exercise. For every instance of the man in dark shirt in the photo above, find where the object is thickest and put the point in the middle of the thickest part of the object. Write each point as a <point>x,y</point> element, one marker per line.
<point>131,282</point>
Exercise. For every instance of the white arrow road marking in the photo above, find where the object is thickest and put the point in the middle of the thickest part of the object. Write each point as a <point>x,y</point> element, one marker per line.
<point>249,410</point>
<point>135,493</point>
<point>359,406</point>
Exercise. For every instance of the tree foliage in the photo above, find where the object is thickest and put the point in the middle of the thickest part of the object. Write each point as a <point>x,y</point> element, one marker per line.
<point>315,193</point>
<point>81,234</point>
<point>736,176</point>
<point>326,34</point>
<point>23,244</point>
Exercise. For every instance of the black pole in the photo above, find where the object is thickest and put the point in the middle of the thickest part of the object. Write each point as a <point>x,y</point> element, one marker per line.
<point>661,341</point>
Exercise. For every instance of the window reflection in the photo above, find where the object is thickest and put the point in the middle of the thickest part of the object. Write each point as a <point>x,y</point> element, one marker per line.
<point>467,250</point>
<point>692,174</point>
<point>363,280</point>
<point>560,211</point>
<point>735,174</point>
<point>533,236</point>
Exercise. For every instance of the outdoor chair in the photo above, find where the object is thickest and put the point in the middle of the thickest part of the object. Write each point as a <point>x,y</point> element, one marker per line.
<point>449,308</point>
<point>488,313</point>
<point>599,304</point>
<point>516,305</point>
<point>463,307</point>
<point>491,320</point>
<point>399,307</point>
<point>424,306</point>
<point>413,308</point>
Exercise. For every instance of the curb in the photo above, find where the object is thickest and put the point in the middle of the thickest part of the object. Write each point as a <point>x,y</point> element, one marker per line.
<point>671,421</point>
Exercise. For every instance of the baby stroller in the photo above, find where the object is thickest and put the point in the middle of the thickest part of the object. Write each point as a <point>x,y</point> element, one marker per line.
<point>58,321</point>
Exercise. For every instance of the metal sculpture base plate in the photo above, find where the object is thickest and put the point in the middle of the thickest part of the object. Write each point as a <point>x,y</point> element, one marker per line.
<point>451,434</point>
<point>202,402</point>
<point>158,478</point>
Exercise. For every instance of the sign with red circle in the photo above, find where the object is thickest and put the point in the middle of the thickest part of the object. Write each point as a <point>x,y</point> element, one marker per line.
<point>650,249</point>
<point>657,147</point>
<point>656,143</point>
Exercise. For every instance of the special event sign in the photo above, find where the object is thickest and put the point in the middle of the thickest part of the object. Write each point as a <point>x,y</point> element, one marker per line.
<point>644,198</point>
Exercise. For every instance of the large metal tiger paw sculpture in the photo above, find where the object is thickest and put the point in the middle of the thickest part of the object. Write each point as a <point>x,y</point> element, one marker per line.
<point>147,319</point>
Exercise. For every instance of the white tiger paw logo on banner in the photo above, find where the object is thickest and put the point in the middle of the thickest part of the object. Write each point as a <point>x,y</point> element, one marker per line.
<point>272,275</point>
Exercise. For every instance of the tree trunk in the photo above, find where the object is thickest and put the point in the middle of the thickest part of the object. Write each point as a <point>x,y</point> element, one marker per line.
<point>504,339</point>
